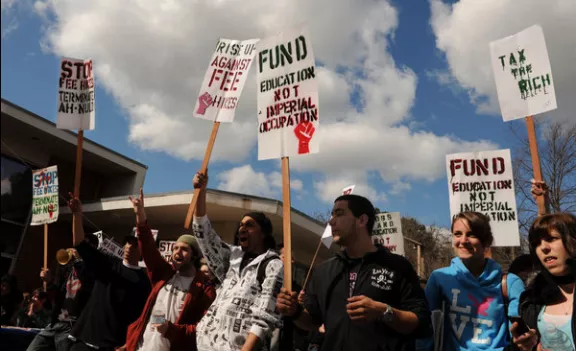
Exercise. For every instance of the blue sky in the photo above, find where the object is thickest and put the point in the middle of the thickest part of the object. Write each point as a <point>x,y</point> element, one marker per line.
<point>440,106</point>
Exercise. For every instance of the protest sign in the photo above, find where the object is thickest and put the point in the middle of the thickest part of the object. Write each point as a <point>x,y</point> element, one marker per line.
<point>224,80</point>
<point>113,248</point>
<point>44,196</point>
<point>76,104</point>
<point>483,182</point>
<point>288,117</point>
<point>327,235</point>
<point>100,236</point>
<point>166,247</point>
<point>387,232</point>
<point>523,74</point>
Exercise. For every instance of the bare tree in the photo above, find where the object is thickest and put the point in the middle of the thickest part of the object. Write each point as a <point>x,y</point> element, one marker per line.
<point>557,149</point>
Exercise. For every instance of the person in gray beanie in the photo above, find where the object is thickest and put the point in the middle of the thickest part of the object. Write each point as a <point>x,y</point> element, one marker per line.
<point>244,314</point>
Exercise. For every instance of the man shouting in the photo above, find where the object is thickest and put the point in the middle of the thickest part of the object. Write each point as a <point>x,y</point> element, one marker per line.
<point>181,293</point>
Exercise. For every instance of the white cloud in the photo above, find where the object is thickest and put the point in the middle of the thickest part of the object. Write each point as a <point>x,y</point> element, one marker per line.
<point>331,187</point>
<point>9,20</point>
<point>160,50</point>
<point>246,180</point>
<point>464,30</point>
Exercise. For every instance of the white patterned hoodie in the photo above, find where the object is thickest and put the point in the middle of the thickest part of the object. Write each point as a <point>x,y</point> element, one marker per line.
<point>242,306</point>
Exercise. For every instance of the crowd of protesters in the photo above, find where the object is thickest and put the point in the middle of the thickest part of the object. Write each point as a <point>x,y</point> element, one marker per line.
<point>215,296</point>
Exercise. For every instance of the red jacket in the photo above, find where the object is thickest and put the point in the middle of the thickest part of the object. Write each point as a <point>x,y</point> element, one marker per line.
<point>182,334</point>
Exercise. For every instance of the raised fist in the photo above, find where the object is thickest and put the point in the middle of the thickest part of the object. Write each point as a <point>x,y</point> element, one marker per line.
<point>200,180</point>
<point>304,132</point>
<point>74,204</point>
<point>204,101</point>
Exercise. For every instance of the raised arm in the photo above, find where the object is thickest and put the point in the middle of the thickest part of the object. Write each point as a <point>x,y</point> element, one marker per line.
<point>539,190</point>
<point>156,265</point>
<point>214,249</point>
<point>77,220</point>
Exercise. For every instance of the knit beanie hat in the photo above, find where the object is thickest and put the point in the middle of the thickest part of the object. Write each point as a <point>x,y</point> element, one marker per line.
<point>191,241</point>
<point>265,225</point>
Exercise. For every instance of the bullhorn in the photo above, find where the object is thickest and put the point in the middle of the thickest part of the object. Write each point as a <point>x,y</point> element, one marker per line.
<point>64,256</point>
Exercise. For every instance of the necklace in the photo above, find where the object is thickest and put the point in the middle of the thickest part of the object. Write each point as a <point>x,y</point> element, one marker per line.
<point>568,309</point>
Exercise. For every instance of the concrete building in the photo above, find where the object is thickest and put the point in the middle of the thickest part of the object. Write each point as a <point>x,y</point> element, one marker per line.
<point>32,142</point>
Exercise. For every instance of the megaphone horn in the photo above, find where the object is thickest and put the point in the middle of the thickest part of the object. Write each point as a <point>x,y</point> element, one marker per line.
<point>63,256</point>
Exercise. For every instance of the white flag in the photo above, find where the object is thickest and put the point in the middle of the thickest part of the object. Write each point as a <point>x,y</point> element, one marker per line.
<point>327,235</point>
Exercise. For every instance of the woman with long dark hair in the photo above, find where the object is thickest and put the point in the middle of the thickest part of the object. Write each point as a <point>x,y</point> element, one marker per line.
<point>547,306</point>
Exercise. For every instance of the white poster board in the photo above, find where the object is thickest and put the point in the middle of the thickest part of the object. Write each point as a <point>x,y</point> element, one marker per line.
<point>523,74</point>
<point>388,232</point>
<point>288,117</point>
<point>166,247</point>
<point>327,235</point>
<point>45,196</point>
<point>113,248</point>
<point>224,80</point>
<point>100,236</point>
<point>76,101</point>
<point>484,182</point>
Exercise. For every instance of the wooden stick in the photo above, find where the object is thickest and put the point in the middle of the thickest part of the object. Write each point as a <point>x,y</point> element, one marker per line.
<point>286,207</point>
<point>78,178</point>
<point>45,251</point>
<point>312,264</point>
<point>192,207</point>
<point>535,160</point>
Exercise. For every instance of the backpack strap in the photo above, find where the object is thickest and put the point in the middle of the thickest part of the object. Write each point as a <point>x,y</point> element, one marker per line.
<point>505,288</point>
<point>505,296</point>
<point>261,274</point>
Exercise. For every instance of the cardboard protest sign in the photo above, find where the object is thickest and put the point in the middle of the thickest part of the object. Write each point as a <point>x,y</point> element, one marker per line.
<point>166,247</point>
<point>388,232</point>
<point>76,104</point>
<point>327,235</point>
<point>113,248</point>
<point>483,182</point>
<point>100,236</point>
<point>225,79</point>
<point>523,74</point>
<point>45,196</point>
<point>287,96</point>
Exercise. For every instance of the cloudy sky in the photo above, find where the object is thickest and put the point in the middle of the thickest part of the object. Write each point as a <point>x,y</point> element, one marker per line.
<point>401,84</point>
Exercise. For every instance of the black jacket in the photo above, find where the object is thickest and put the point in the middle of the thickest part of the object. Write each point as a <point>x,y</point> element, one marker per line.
<point>542,292</point>
<point>382,276</point>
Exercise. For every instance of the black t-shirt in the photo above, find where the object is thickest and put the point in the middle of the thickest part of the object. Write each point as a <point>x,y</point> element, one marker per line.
<point>73,286</point>
<point>117,299</point>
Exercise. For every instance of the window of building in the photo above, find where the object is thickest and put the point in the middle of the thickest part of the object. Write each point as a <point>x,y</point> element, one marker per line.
<point>16,200</point>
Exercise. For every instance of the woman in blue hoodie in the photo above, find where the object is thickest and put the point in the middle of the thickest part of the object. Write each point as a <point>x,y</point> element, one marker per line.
<point>475,314</point>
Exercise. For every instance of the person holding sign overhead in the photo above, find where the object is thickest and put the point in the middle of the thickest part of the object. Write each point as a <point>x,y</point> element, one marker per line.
<point>547,306</point>
<point>474,289</point>
<point>120,291</point>
<point>368,298</point>
<point>243,315</point>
